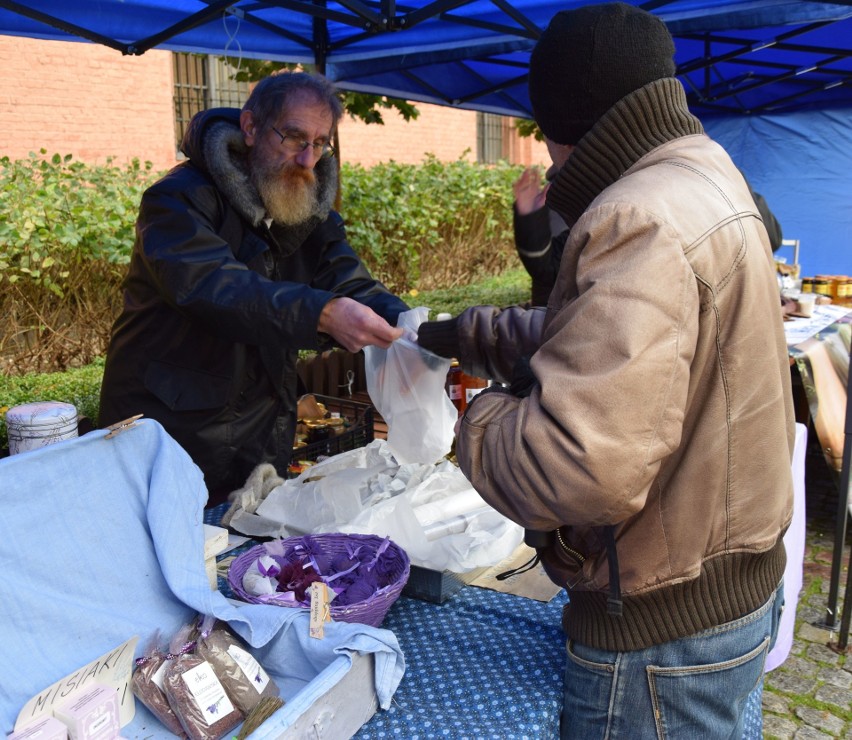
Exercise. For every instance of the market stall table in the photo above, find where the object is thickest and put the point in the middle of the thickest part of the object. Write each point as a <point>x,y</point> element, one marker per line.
<point>103,550</point>
<point>819,348</point>
<point>483,664</point>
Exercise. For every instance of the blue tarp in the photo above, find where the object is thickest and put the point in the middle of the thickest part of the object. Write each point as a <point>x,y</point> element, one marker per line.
<point>800,162</point>
<point>733,55</point>
<point>754,70</point>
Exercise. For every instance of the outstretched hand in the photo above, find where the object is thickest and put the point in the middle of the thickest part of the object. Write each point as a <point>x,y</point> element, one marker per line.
<point>529,194</point>
<point>355,326</point>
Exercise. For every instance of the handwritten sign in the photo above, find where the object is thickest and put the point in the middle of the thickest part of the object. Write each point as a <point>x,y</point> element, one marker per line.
<point>113,669</point>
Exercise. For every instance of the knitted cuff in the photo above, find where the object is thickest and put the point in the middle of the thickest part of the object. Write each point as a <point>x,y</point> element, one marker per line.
<point>440,337</point>
<point>532,232</point>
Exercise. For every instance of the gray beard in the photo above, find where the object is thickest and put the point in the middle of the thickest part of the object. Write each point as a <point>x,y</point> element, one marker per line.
<point>288,199</point>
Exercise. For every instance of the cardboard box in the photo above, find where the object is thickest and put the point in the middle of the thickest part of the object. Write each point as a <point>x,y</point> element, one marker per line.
<point>91,715</point>
<point>46,728</point>
<point>215,540</point>
<point>338,711</point>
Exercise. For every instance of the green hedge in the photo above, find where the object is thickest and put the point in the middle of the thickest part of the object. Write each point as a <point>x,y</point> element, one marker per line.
<point>58,214</point>
<point>424,225</point>
<point>61,217</point>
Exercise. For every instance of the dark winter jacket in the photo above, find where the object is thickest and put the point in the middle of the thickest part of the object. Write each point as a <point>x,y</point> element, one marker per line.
<point>540,239</point>
<point>217,304</point>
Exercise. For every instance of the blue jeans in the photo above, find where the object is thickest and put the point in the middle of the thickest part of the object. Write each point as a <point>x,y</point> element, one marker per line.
<point>695,687</point>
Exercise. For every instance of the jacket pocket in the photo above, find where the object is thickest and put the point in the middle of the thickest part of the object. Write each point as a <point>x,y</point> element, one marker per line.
<point>186,389</point>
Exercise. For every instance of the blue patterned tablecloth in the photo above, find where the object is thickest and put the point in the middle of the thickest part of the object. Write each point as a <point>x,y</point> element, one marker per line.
<point>482,665</point>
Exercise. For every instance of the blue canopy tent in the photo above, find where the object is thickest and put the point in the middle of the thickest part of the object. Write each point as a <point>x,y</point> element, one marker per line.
<point>771,79</point>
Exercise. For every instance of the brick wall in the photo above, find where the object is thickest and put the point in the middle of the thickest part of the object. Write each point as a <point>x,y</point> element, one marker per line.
<point>85,100</point>
<point>444,132</point>
<point>92,102</point>
<point>448,133</point>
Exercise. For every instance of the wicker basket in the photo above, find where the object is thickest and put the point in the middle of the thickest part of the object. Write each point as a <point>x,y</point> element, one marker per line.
<point>394,564</point>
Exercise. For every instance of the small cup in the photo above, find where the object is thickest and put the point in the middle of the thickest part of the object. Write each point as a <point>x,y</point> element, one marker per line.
<point>806,304</point>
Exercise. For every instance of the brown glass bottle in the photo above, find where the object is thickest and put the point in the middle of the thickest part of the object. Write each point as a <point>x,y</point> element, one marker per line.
<point>472,385</point>
<point>454,386</point>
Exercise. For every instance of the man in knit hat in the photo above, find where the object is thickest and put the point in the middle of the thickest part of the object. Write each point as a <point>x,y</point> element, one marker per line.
<point>645,437</point>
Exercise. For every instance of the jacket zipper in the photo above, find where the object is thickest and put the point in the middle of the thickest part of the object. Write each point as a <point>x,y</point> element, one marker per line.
<point>569,550</point>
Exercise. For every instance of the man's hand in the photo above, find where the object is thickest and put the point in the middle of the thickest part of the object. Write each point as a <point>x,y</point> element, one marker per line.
<point>529,195</point>
<point>354,326</point>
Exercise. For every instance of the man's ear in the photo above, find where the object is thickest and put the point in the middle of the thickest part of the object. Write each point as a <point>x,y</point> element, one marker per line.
<point>248,127</point>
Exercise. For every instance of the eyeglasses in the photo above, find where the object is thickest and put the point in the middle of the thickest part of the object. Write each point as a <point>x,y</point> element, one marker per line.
<point>296,144</point>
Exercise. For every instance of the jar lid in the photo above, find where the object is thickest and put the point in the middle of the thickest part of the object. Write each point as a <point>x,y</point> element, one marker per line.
<point>41,412</point>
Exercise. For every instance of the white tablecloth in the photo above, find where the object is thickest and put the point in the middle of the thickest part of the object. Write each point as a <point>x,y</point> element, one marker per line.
<point>794,543</point>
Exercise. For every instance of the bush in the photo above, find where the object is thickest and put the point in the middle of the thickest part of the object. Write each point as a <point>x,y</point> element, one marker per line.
<point>65,235</point>
<point>430,225</point>
<point>508,289</point>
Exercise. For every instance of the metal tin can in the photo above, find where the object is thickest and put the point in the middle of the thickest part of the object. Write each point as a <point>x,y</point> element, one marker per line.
<point>38,424</point>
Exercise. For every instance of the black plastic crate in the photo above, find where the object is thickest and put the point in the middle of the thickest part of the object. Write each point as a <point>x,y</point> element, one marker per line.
<point>358,433</point>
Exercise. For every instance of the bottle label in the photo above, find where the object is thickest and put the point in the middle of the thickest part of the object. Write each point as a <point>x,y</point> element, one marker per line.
<point>470,393</point>
<point>454,392</point>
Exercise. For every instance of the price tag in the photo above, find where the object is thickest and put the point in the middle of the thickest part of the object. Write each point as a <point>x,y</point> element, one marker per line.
<point>320,610</point>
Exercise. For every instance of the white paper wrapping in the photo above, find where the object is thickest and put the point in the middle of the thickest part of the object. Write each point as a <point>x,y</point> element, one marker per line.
<point>431,511</point>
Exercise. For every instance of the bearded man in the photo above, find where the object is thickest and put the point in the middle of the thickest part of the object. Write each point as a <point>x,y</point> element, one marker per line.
<point>239,263</point>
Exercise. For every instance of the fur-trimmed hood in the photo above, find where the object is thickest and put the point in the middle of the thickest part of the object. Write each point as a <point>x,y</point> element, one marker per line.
<point>214,143</point>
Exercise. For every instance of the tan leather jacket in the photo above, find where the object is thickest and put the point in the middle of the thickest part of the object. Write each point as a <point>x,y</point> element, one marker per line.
<point>663,405</point>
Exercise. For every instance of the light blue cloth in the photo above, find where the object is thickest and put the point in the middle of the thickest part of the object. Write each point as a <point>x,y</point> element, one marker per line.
<point>103,539</point>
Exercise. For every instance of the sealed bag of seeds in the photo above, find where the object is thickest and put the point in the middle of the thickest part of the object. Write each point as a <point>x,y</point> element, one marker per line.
<point>244,679</point>
<point>147,685</point>
<point>195,693</point>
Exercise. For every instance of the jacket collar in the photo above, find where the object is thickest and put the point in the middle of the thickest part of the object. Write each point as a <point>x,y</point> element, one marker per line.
<point>636,125</point>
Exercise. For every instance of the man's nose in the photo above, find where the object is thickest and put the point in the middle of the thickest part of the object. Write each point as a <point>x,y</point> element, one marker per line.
<point>307,157</point>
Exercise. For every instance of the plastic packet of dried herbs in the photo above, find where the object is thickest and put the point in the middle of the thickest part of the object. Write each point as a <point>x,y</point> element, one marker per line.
<point>147,686</point>
<point>244,679</point>
<point>196,695</point>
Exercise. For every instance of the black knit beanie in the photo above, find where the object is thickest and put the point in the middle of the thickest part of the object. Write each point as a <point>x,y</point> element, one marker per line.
<point>588,58</point>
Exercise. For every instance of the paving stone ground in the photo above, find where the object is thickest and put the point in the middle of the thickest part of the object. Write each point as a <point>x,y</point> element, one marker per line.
<point>810,694</point>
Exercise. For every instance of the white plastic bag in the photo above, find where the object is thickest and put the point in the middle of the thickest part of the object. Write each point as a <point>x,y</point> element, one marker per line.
<point>406,385</point>
<point>430,511</point>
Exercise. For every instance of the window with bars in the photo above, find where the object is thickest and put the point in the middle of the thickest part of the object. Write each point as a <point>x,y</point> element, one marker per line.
<point>491,139</point>
<point>202,82</point>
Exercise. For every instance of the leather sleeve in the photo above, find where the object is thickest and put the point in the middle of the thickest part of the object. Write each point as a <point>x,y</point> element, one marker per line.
<point>597,423</point>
